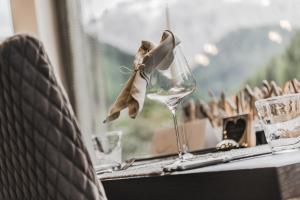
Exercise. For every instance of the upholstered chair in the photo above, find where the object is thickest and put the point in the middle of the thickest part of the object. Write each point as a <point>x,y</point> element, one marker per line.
<point>42,154</point>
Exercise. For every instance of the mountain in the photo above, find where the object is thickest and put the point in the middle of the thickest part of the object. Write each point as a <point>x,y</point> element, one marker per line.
<point>241,55</point>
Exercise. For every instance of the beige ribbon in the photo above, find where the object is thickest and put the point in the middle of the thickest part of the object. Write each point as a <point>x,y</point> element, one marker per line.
<point>147,58</point>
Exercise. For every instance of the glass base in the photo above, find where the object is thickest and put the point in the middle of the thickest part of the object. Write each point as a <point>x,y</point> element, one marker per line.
<point>176,164</point>
<point>185,156</point>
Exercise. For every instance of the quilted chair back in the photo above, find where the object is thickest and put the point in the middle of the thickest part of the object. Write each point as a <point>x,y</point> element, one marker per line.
<point>42,155</point>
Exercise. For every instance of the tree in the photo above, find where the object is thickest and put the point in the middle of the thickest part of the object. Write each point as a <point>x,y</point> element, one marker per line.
<point>283,67</point>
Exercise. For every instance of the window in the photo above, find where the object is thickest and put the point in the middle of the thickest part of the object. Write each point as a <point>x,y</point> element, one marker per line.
<point>228,43</point>
<point>5,19</point>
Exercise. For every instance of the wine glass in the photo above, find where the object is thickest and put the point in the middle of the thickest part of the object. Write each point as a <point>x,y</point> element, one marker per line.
<point>169,86</point>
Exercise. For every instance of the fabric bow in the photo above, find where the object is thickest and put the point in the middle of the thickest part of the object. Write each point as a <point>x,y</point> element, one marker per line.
<point>147,58</point>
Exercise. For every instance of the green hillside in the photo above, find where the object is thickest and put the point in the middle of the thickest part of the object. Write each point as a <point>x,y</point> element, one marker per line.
<point>112,59</point>
<point>241,54</point>
<point>108,60</point>
<point>283,67</point>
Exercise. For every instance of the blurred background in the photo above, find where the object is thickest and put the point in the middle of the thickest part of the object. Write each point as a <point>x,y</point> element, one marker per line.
<point>228,44</point>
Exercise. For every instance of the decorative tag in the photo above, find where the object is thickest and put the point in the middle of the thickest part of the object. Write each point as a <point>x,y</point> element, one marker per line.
<point>239,129</point>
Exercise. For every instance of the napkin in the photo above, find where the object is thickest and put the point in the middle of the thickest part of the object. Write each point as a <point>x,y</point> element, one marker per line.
<point>148,57</point>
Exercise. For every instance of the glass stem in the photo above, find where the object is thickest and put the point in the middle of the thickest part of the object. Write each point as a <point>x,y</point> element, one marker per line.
<point>181,140</point>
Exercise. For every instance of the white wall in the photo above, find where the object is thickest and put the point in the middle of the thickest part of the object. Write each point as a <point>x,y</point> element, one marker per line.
<point>37,18</point>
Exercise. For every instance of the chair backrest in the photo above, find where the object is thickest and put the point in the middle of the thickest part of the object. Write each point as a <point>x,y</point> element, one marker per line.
<point>42,155</point>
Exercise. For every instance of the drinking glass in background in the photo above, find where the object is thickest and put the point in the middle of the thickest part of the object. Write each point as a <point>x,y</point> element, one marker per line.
<point>108,149</point>
<point>280,118</point>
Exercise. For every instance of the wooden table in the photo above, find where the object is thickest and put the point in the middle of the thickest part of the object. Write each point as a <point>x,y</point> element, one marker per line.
<point>268,177</point>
